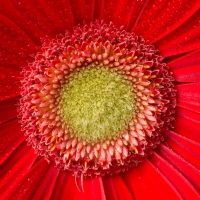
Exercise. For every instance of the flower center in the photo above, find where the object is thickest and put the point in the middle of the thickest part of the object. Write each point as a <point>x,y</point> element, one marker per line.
<point>97,103</point>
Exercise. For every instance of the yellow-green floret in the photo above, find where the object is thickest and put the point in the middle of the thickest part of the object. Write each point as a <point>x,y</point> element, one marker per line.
<point>96,103</point>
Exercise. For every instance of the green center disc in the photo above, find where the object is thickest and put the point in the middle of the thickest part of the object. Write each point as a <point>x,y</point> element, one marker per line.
<point>96,103</point>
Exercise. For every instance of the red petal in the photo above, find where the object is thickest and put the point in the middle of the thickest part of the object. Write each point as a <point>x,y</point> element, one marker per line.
<point>93,189</point>
<point>14,168</point>
<point>9,83</point>
<point>188,170</point>
<point>159,18</point>
<point>59,13</point>
<point>99,10</point>
<point>9,91</point>
<point>116,189</point>
<point>83,10</point>
<point>39,18</point>
<point>146,181</point>
<point>188,74</point>
<point>9,110</point>
<point>136,11</point>
<point>44,189</point>
<point>185,147</point>
<point>8,75</point>
<point>186,68</point>
<point>189,96</point>
<point>188,60</point>
<point>11,138</point>
<point>184,39</point>
<point>15,45</point>
<point>64,187</point>
<point>188,124</point>
<point>28,181</point>
<point>184,187</point>
<point>122,13</point>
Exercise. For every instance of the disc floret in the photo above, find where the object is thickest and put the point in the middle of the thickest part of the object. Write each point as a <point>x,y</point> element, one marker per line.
<point>97,103</point>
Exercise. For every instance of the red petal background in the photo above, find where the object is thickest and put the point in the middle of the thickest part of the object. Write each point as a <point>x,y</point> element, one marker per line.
<point>173,172</point>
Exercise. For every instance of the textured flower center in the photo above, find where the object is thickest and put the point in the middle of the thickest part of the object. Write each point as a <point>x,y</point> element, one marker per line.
<point>97,103</point>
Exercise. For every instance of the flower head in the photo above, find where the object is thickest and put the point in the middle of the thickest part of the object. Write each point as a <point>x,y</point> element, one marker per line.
<point>97,101</point>
<point>97,97</point>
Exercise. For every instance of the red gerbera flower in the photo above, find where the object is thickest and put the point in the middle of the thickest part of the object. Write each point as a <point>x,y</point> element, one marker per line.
<point>83,85</point>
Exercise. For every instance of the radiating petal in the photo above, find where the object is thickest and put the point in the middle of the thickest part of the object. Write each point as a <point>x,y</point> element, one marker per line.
<point>9,82</point>
<point>64,187</point>
<point>185,147</point>
<point>188,124</point>
<point>9,91</point>
<point>9,110</point>
<point>137,10</point>
<point>9,75</point>
<point>14,169</point>
<point>147,181</point>
<point>46,184</point>
<point>188,74</point>
<point>186,68</point>
<point>188,60</point>
<point>11,137</point>
<point>15,45</point>
<point>89,189</point>
<point>39,18</point>
<point>93,189</point>
<point>182,165</point>
<point>83,10</point>
<point>185,188</point>
<point>122,13</point>
<point>116,188</point>
<point>186,38</point>
<point>159,18</point>
<point>189,96</point>
<point>26,184</point>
